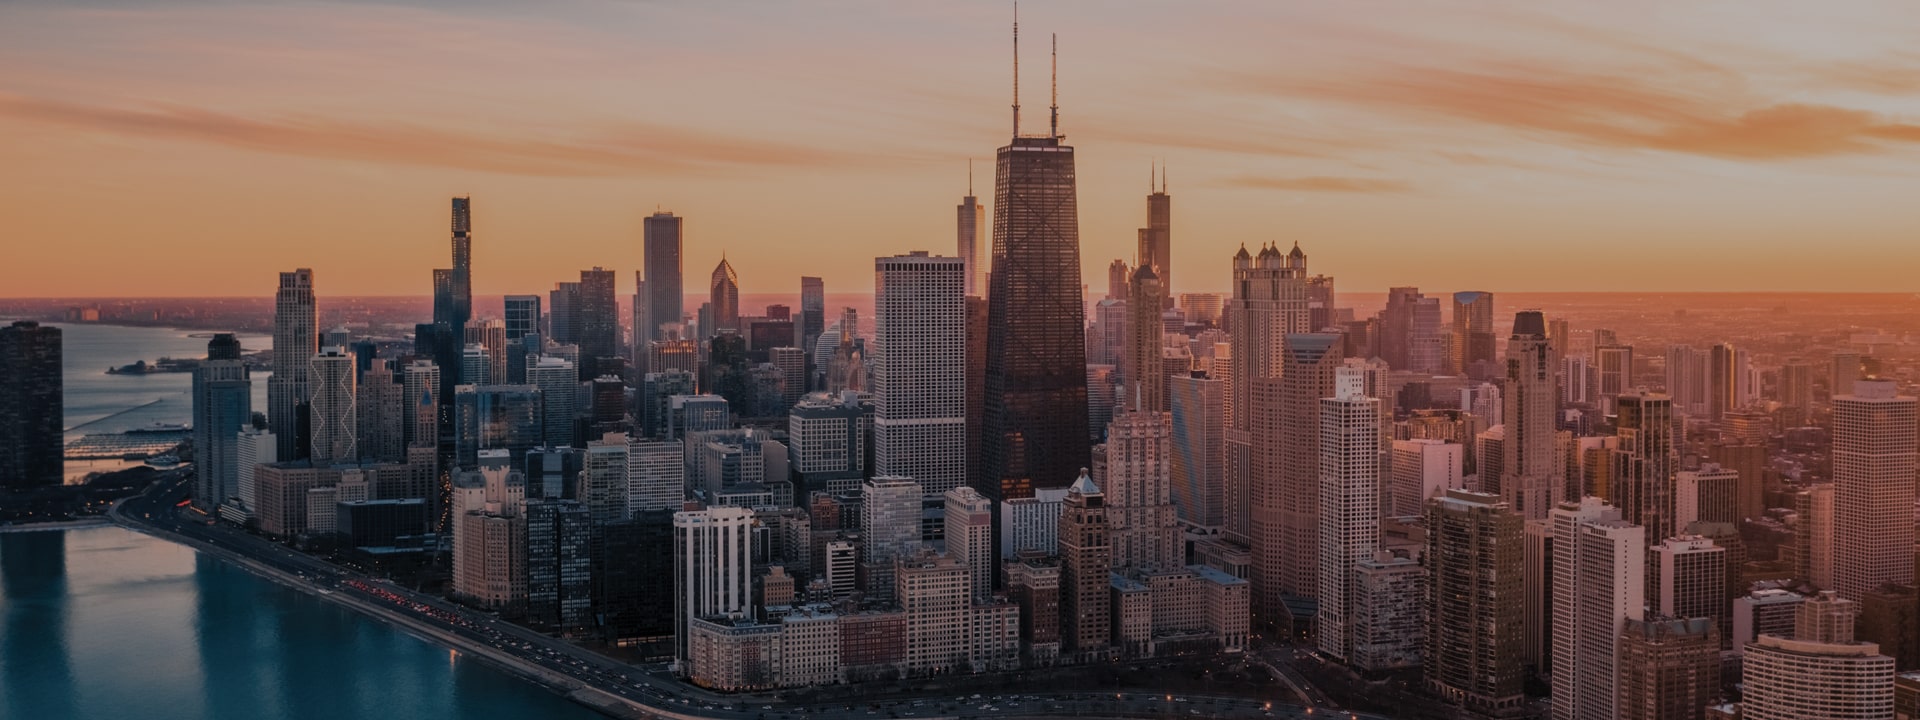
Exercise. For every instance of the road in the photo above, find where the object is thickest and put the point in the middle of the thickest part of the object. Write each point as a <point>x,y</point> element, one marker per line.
<point>645,690</point>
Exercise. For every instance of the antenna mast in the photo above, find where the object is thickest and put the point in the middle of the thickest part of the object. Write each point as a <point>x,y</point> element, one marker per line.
<point>1054,130</point>
<point>1016,69</point>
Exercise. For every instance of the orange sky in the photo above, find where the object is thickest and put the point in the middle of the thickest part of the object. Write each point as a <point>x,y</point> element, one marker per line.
<point>196,147</point>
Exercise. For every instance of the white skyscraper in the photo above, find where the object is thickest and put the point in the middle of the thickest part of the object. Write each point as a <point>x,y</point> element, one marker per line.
<point>920,370</point>
<point>1873,488</point>
<point>252,448</point>
<point>332,417</point>
<point>969,537</point>
<point>972,227</point>
<point>656,475</point>
<point>1599,582</point>
<point>712,567</point>
<point>1349,502</point>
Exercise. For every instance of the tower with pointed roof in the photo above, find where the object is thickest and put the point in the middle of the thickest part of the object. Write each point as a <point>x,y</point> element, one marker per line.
<point>724,295</point>
<point>1086,562</point>
<point>1269,301</point>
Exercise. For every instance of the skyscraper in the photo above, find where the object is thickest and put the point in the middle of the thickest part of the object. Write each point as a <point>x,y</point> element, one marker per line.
<point>1473,339</point>
<point>1723,380</point>
<point>1669,668</point>
<point>1086,562</point>
<point>969,537</point>
<point>1036,390</point>
<point>1474,611</point>
<point>1156,239</point>
<point>1285,472</point>
<point>523,316</point>
<point>1269,302</point>
<point>920,370</point>
<point>563,304</point>
<point>1599,583</point>
<point>31,409</point>
<point>665,295</point>
<point>1816,673</point>
<point>813,321</point>
<point>295,340</point>
<point>1349,503</point>
<point>971,227</point>
<point>712,567</point>
<point>723,295</point>
<point>597,324</point>
<point>1146,382</point>
<point>1198,408</point>
<point>1139,496</point>
<point>1873,488</point>
<point>1533,471</point>
<point>1643,465</point>
<point>334,421</point>
<point>222,407</point>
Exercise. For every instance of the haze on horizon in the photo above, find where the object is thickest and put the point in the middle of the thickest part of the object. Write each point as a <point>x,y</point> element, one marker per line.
<point>195,148</point>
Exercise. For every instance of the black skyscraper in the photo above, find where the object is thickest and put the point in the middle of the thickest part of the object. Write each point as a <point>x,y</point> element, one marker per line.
<point>596,327</point>
<point>664,293</point>
<point>462,263</point>
<point>30,406</point>
<point>1036,379</point>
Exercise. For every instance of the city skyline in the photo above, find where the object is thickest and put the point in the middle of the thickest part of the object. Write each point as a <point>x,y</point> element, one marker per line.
<point>1522,133</point>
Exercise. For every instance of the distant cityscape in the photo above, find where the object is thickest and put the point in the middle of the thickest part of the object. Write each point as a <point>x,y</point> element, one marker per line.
<point>1416,505</point>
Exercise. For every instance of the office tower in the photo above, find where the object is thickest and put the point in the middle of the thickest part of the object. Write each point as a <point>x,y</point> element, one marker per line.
<point>828,443</point>
<point>559,388</point>
<point>596,324</point>
<point>1767,611</point>
<point>1690,576</point>
<point>420,396</point>
<point>1085,568</point>
<point>792,364</point>
<point>1687,380</point>
<point>1722,381</point>
<point>1707,493</point>
<point>1198,410</point>
<point>496,417</point>
<point>1107,337</point>
<point>712,566</point>
<point>1613,375</point>
<point>1144,380</point>
<point>1422,469</point>
<point>294,343</point>
<point>1349,512</point>
<point>656,476</point>
<point>1643,465</point>
<point>920,370</point>
<point>522,316</point>
<point>604,485</point>
<point>1321,314</point>
<point>1269,302</point>
<point>1847,368</point>
<point>1285,471</point>
<point>332,414</point>
<point>1576,380</point>
<point>1036,433</point>
<point>222,407</point>
<point>971,224</point>
<point>1669,668</point>
<point>1533,471</point>
<point>1141,526</point>
<point>1473,557</point>
<point>665,295</point>
<point>723,294</point>
<point>475,367</point>
<point>462,275</point>
<point>563,307</point>
<point>1031,524</point>
<point>1796,388</point>
<point>1396,327</point>
<point>555,472</point>
<point>1873,488</point>
<point>969,537</point>
<point>1599,583</point>
<point>889,525</point>
<point>1819,672</point>
<point>1388,625</point>
<point>813,320</point>
<point>1473,340</point>
<point>1156,242</point>
<point>381,410</point>
<point>1117,278</point>
<point>31,406</point>
<point>559,567</point>
<point>1814,535</point>
<point>1426,344</point>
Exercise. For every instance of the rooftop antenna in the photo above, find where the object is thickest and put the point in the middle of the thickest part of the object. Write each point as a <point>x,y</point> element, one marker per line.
<point>969,177</point>
<point>1016,69</point>
<point>1054,130</point>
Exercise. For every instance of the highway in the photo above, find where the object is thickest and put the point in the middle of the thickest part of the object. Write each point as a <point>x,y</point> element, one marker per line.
<point>613,686</point>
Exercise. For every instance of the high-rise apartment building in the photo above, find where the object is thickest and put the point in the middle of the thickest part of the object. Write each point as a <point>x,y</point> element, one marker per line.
<point>1474,612</point>
<point>1814,534</point>
<point>1669,668</point>
<point>32,452</point>
<point>1599,583</point>
<point>1613,375</point>
<point>969,538</point>
<point>1198,410</point>
<point>1690,578</point>
<point>1285,472</point>
<point>1144,379</point>
<point>1422,469</point>
<point>1086,561</point>
<point>919,370</point>
<point>332,410</point>
<point>665,293</point>
<point>1533,469</point>
<point>1819,672</point>
<point>222,407</point>
<point>1035,433</point>
<point>1644,464</point>
<point>295,340</point>
<point>712,568</point>
<point>1349,504</point>
<point>1874,434</point>
<point>1142,529</point>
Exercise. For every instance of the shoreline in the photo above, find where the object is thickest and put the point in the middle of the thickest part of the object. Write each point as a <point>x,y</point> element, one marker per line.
<point>59,525</point>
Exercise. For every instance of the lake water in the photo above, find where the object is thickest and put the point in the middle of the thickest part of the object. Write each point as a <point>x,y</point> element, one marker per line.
<point>104,623</point>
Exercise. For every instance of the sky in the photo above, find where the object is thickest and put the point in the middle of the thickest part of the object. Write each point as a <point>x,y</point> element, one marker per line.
<point>196,147</point>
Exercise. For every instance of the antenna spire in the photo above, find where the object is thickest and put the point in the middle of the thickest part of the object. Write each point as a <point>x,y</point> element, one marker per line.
<point>1016,69</point>
<point>1054,129</point>
<point>969,177</point>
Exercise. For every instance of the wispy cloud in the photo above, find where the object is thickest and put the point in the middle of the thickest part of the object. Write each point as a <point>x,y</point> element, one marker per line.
<point>615,149</point>
<point>1321,183</point>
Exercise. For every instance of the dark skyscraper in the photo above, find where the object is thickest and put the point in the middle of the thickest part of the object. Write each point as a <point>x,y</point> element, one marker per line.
<point>31,397</point>
<point>462,263</point>
<point>562,304</point>
<point>723,296</point>
<point>1036,383</point>
<point>664,293</point>
<point>596,324</point>
<point>295,340</point>
<point>813,316</point>
<point>1473,338</point>
<point>222,405</point>
<point>1156,239</point>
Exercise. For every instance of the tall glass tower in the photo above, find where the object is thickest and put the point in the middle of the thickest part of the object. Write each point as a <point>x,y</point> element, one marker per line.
<point>664,294</point>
